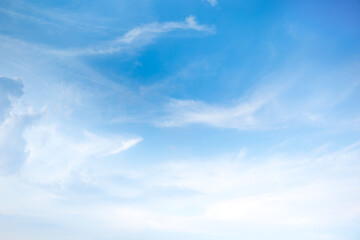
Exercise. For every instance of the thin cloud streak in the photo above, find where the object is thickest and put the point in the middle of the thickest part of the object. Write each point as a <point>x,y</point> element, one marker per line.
<point>271,106</point>
<point>185,112</point>
<point>241,115</point>
<point>138,36</point>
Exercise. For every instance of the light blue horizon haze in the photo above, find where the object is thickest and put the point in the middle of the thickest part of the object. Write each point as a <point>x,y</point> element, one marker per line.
<point>192,119</point>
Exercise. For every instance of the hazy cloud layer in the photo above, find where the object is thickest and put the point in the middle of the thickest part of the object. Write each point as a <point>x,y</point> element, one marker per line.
<point>241,123</point>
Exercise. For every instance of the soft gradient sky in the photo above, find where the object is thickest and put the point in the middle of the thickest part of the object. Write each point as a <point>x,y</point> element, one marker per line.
<point>186,119</point>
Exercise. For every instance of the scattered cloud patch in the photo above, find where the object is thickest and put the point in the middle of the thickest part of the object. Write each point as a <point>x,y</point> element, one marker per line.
<point>54,158</point>
<point>33,144</point>
<point>213,3</point>
<point>12,142</point>
<point>10,89</point>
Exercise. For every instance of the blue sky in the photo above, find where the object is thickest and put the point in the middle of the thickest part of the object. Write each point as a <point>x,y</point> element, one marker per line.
<point>190,119</point>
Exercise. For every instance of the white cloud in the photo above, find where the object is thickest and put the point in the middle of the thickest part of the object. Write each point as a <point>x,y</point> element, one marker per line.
<point>299,206</point>
<point>40,160</point>
<point>138,36</point>
<point>297,191</point>
<point>12,143</point>
<point>54,158</point>
<point>241,115</point>
<point>10,89</point>
<point>276,105</point>
<point>184,112</point>
<point>302,191</point>
<point>34,145</point>
<point>213,2</point>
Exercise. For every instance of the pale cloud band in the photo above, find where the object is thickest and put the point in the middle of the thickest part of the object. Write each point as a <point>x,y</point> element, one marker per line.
<point>271,106</point>
<point>242,114</point>
<point>296,192</point>
<point>138,37</point>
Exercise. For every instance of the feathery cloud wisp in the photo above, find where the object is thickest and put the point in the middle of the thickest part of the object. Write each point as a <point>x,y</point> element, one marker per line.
<point>239,116</point>
<point>138,36</point>
<point>213,3</point>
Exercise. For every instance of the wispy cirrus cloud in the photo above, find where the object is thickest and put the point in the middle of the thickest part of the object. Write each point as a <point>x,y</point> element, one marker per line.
<point>29,13</point>
<point>185,112</point>
<point>213,3</point>
<point>35,147</point>
<point>9,89</point>
<point>298,192</point>
<point>54,158</point>
<point>272,106</point>
<point>138,36</point>
<point>240,115</point>
<point>279,190</point>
